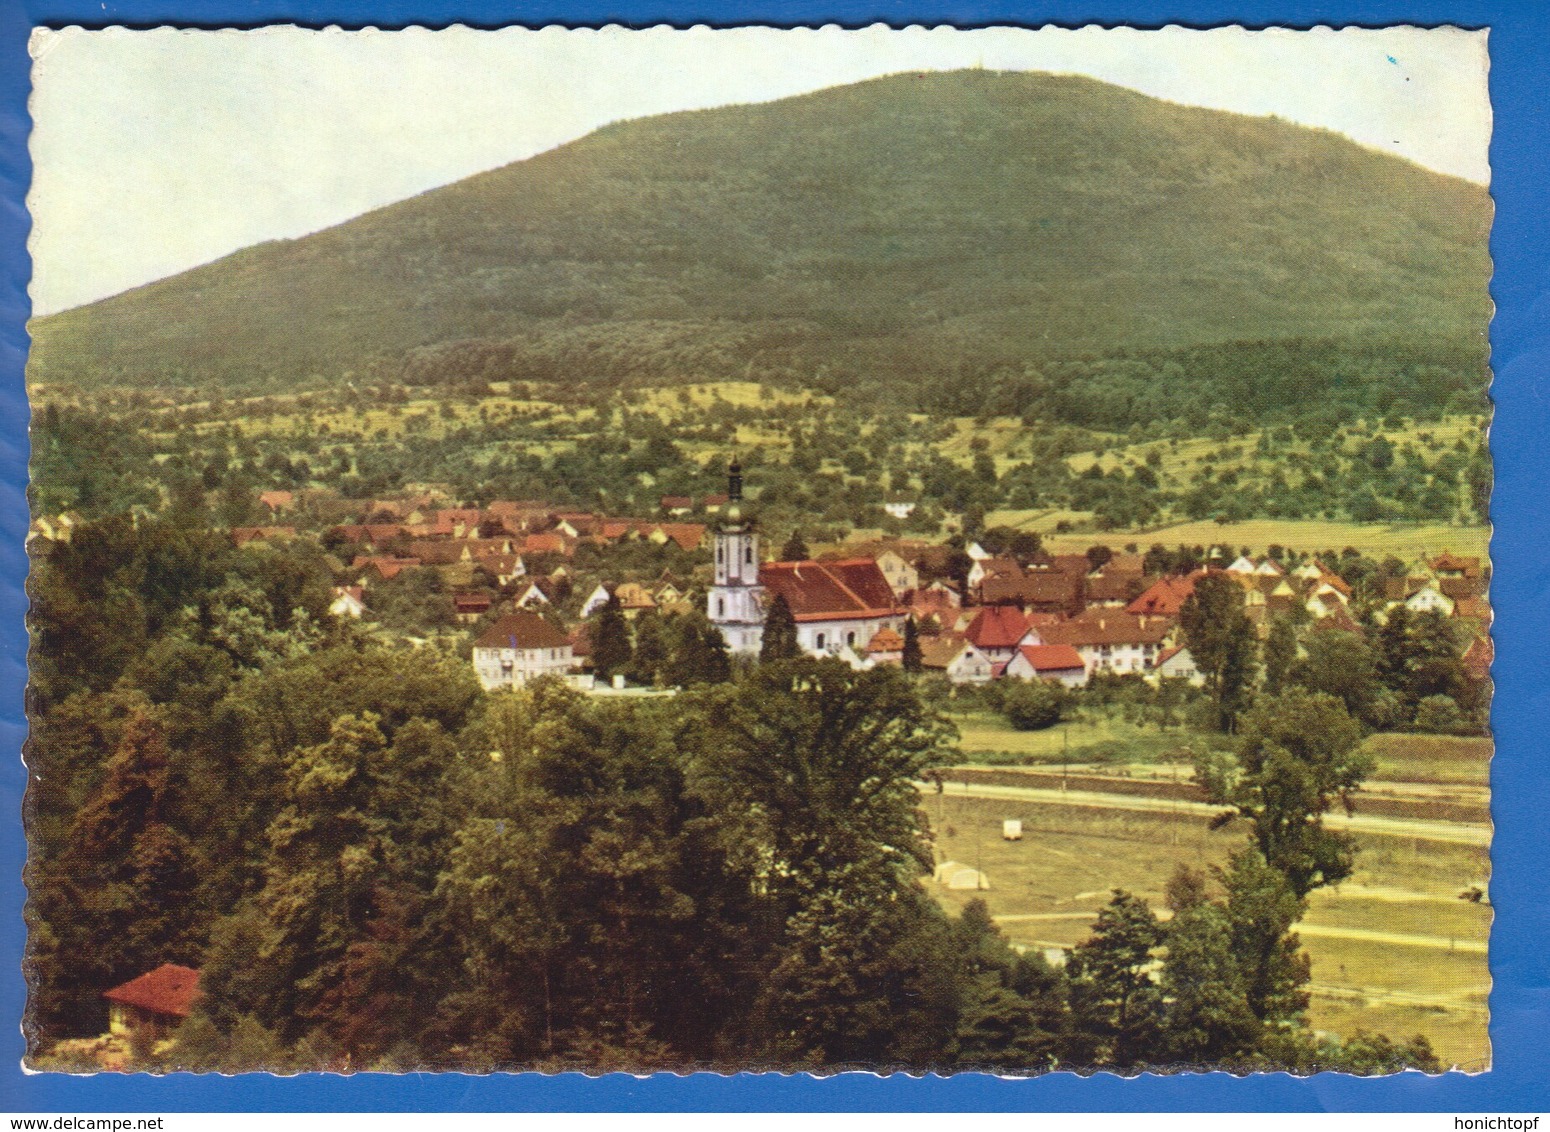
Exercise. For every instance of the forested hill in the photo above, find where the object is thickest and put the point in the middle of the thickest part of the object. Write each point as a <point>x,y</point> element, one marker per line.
<point>884,234</point>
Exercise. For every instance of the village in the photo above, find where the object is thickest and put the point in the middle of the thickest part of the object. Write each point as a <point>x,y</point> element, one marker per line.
<point>527,584</point>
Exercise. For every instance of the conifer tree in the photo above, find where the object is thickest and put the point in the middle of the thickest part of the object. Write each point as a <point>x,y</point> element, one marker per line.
<point>795,549</point>
<point>610,639</point>
<point>912,658</point>
<point>780,633</point>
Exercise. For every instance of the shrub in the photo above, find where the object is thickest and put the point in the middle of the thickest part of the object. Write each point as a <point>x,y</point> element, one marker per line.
<point>1033,706</point>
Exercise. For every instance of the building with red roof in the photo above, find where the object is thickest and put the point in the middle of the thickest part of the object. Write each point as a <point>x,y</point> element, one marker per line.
<point>521,647</point>
<point>835,604</point>
<point>153,1003</point>
<point>997,629</point>
<point>1060,663</point>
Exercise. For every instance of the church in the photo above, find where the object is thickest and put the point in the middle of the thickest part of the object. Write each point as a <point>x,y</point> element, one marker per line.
<point>837,606</point>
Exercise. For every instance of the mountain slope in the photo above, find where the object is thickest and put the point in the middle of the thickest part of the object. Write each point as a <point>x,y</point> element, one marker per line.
<point>894,230</point>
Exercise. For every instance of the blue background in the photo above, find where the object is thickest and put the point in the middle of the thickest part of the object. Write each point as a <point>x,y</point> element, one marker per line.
<point>1520,940</point>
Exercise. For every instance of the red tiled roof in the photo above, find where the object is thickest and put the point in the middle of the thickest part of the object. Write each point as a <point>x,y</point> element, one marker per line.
<point>998,627</point>
<point>686,535</point>
<point>170,989</point>
<point>885,640</point>
<point>828,591</point>
<point>522,631</point>
<point>1051,658</point>
<point>1106,627</point>
<point>1166,596</point>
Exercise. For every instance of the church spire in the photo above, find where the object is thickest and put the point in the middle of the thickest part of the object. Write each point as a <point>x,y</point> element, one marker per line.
<point>734,481</point>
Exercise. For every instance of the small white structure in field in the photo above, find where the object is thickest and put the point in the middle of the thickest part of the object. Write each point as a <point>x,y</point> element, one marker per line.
<point>1012,829</point>
<point>961,878</point>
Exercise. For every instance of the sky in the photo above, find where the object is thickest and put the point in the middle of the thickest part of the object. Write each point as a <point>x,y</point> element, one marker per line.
<point>156,151</point>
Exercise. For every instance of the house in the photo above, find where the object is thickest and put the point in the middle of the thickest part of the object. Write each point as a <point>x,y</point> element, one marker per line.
<point>634,598</point>
<point>1060,663</point>
<point>712,504</point>
<point>835,604</point>
<point>596,600</point>
<point>521,647</point>
<point>971,666</point>
<point>899,509</point>
<point>689,536</point>
<point>1166,596</point>
<point>241,536</point>
<point>1117,643</point>
<point>277,501</point>
<point>1177,664</point>
<point>677,504</point>
<point>902,577</point>
<point>885,647</point>
<point>996,631</point>
<point>984,568</point>
<point>533,596</point>
<point>349,601</point>
<point>468,608</point>
<point>153,1004</point>
<point>1037,591</point>
<point>1428,599</point>
<point>1478,657</point>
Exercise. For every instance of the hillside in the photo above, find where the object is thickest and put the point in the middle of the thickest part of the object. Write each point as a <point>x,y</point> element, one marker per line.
<point>887,233</point>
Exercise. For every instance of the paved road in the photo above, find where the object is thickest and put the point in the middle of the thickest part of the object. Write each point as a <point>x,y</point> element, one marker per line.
<point>1455,833</point>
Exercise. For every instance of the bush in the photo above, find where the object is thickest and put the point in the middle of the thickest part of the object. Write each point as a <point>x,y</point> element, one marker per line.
<point>1033,706</point>
<point>1439,715</point>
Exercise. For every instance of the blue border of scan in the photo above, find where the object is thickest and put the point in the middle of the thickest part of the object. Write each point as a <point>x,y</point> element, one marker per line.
<point>1519,957</point>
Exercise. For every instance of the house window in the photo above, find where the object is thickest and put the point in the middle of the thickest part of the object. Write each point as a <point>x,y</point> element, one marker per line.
<point>721,607</point>
<point>818,641</point>
<point>850,639</point>
<point>720,550</point>
<point>748,553</point>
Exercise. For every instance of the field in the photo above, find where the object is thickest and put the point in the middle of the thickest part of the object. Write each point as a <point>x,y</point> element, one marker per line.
<point>1397,949</point>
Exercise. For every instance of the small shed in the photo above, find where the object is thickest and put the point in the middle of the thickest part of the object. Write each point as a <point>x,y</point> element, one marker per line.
<point>154,1003</point>
<point>1012,829</point>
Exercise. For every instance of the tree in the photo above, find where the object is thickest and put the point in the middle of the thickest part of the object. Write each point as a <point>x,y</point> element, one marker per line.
<point>780,632</point>
<point>610,639</point>
<point>1261,910</point>
<point>795,549</point>
<point>1280,654</point>
<point>652,650</point>
<point>1300,754</point>
<point>1115,1003</point>
<point>1221,640</point>
<point>1208,1021</point>
<point>1339,664</point>
<point>1033,705</point>
<point>911,660</point>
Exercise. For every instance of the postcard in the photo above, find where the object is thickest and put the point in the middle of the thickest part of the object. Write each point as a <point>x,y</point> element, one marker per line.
<point>753,549</point>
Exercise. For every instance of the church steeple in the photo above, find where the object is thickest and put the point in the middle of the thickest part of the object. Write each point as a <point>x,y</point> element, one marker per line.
<point>735,604</point>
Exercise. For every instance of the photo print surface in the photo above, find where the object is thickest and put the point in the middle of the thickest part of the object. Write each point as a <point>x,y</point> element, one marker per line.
<point>800,550</point>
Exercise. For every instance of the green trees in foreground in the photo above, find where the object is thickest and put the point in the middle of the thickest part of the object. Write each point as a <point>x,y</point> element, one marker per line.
<point>725,879</point>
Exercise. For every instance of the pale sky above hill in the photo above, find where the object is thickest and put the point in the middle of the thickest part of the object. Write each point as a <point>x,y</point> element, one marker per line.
<point>156,151</point>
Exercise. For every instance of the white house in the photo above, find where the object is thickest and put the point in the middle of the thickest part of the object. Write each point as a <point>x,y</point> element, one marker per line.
<point>902,577</point>
<point>1177,663</point>
<point>532,597</point>
<point>839,604</point>
<point>971,666</point>
<point>1428,599</point>
<point>1119,643</point>
<point>1060,663</point>
<point>900,509</point>
<point>519,648</point>
<point>348,602</point>
<point>595,600</point>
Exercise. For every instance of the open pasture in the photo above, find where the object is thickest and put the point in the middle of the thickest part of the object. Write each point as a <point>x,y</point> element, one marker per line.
<point>1430,977</point>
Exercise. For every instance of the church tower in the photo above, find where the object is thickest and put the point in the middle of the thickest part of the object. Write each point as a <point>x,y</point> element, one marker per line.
<point>735,605</point>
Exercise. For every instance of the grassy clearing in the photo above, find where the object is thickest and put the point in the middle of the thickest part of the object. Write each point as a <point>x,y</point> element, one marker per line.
<point>1373,539</point>
<point>1053,882</point>
<point>987,737</point>
<point>1443,759</point>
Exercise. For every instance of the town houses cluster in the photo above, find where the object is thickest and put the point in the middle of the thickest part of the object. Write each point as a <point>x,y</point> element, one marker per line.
<point>528,582</point>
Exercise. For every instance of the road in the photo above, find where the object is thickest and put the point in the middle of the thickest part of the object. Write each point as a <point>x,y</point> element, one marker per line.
<point>1454,833</point>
